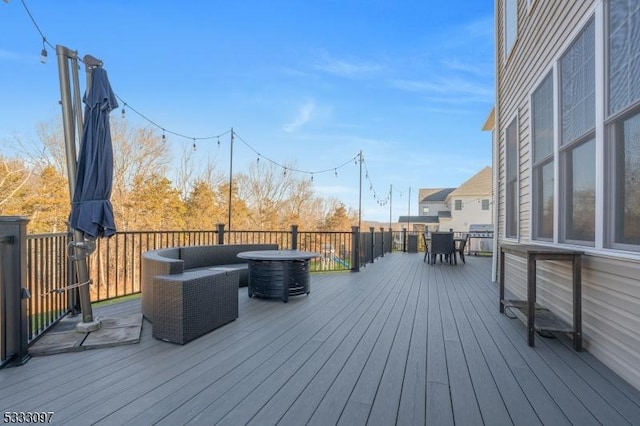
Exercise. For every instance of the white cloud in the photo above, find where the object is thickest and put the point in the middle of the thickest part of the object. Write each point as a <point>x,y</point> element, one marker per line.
<point>305,113</point>
<point>457,65</point>
<point>345,68</point>
<point>444,86</point>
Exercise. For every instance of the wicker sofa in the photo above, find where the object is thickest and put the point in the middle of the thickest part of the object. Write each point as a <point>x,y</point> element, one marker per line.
<point>186,287</point>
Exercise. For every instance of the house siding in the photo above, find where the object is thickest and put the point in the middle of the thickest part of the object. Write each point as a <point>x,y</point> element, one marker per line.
<point>610,283</point>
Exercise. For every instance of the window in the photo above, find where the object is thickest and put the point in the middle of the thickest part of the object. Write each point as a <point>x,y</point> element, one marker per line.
<point>622,140</point>
<point>577,115</point>
<point>623,41</point>
<point>510,8</point>
<point>425,210</point>
<point>542,136</point>
<point>458,204</point>
<point>485,204</point>
<point>511,190</point>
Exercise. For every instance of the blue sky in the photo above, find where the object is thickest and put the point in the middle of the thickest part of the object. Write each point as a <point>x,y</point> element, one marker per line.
<point>410,83</point>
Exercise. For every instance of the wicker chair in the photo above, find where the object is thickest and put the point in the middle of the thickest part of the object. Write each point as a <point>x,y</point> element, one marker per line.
<point>194,303</point>
<point>442,244</point>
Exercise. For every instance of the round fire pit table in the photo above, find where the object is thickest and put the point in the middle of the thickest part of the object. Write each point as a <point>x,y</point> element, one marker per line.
<point>278,273</point>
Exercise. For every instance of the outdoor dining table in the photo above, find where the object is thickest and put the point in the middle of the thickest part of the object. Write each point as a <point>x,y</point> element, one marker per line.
<point>456,242</point>
<point>278,273</point>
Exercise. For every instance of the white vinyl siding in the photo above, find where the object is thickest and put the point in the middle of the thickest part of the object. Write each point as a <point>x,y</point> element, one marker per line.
<point>611,265</point>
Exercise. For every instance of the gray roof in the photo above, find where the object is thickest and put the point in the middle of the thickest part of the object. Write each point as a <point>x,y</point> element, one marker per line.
<point>440,195</point>
<point>418,219</point>
<point>444,214</point>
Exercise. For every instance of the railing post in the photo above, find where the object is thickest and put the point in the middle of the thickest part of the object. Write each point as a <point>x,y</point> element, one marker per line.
<point>14,329</point>
<point>220,233</point>
<point>355,253</point>
<point>373,243</point>
<point>382,239</point>
<point>294,237</point>
<point>73,296</point>
<point>404,240</point>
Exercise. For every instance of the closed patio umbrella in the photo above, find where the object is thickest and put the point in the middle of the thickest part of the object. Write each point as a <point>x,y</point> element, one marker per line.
<point>91,214</point>
<point>91,211</point>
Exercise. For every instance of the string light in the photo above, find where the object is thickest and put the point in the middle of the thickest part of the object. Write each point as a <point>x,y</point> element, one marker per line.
<point>44,57</point>
<point>43,52</point>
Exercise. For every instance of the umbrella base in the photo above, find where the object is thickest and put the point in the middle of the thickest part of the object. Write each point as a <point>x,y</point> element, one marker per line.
<point>86,327</point>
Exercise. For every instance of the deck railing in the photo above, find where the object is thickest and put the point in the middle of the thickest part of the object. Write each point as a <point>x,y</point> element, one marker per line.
<point>115,265</point>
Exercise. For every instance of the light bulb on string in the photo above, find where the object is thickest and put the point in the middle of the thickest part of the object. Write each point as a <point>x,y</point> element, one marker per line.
<point>194,144</point>
<point>43,52</point>
<point>164,138</point>
<point>311,177</point>
<point>284,173</point>
<point>123,110</point>
<point>258,160</point>
<point>218,141</point>
<point>335,171</point>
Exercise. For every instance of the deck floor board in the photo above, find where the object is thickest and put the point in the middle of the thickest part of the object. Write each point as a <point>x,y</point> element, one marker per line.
<point>400,342</point>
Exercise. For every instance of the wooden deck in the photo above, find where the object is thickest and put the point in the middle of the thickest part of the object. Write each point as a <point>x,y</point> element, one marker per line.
<point>400,342</point>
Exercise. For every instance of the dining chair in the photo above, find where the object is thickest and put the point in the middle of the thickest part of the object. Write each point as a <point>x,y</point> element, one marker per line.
<point>460,247</point>
<point>442,244</point>
<point>425,240</point>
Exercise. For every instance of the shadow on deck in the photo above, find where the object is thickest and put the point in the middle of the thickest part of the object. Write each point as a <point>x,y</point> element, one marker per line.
<point>400,342</point>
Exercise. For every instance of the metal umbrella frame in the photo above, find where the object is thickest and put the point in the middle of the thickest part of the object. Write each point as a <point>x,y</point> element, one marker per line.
<point>73,125</point>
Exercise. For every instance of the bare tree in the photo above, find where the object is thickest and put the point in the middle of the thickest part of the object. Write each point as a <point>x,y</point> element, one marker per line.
<point>13,176</point>
<point>265,188</point>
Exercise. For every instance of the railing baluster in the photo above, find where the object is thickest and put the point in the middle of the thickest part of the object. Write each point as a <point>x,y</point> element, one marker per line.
<point>117,263</point>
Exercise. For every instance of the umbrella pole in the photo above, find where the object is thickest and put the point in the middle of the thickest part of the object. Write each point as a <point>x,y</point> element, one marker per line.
<point>80,253</point>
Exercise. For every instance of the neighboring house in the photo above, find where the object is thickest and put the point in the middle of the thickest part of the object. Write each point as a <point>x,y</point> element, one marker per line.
<point>566,128</point>
<point>471,203</point>
<point>442,209</point>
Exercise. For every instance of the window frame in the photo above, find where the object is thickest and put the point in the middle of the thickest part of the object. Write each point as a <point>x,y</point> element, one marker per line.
<point>613,172</point>
<point>507,43</point>
<point>539,164</point>
<point>511,218</point>
<point>566,148</point>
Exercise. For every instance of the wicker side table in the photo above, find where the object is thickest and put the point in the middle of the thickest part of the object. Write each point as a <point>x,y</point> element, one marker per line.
<point>194,303</point>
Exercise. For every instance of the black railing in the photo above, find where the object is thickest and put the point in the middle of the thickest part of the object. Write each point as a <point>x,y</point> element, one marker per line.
<point>115,266</point>
<point>48,272</point>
